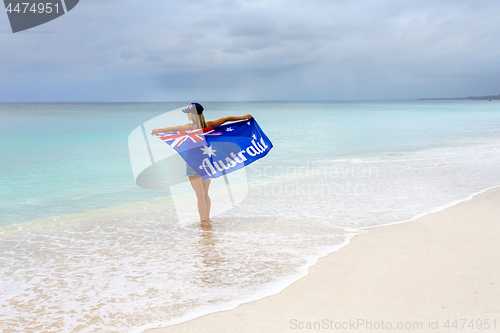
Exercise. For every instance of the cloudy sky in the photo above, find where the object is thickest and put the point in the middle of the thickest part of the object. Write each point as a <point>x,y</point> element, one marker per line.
<point>211,50</point>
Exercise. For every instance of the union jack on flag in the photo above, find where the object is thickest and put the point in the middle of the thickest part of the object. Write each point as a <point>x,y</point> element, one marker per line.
<point>194,135</point>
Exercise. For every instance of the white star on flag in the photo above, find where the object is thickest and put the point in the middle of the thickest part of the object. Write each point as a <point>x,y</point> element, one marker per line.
<point>208,150</point>
<point>229,129</point>
<point>253,136</point>
<point>248,123</point>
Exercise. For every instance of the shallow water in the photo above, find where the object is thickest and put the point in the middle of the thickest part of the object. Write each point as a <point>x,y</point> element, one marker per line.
<point>106,256</point>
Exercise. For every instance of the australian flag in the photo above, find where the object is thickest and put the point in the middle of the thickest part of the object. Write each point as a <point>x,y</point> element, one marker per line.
<point>216,151</point>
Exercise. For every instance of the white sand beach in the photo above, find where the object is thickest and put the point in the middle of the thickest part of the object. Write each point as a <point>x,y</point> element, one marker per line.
<point>439,273</point>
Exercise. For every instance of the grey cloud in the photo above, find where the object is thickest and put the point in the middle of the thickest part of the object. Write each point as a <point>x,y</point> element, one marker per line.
<point>259,50</point>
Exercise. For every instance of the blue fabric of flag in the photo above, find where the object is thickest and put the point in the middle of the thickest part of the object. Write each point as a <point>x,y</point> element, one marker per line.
<point>216,151</point>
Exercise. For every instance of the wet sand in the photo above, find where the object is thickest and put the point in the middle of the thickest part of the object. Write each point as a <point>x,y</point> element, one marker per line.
<point>434,274</point>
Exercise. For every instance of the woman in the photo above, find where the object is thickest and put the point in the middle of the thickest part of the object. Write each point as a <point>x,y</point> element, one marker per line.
<point>197,120</point>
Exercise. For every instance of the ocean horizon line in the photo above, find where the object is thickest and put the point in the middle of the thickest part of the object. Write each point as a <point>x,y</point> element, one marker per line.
<point>244,101</point>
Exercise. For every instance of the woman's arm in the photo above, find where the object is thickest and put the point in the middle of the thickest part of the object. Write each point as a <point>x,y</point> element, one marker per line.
<point>186,127</point>
<point>221,121</point>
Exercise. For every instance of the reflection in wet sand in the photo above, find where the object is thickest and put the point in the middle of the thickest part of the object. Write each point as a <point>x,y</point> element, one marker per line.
<point>210,254</point>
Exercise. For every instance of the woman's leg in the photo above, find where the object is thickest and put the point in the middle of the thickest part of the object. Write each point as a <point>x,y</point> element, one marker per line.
<point>208,202</point>
<point>198,187</point>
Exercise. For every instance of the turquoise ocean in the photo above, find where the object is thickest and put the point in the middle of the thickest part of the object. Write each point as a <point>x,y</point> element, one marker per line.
<point>84,249</point>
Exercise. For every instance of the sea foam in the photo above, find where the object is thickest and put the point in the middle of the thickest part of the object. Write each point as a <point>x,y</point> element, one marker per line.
<point>127,269</point>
